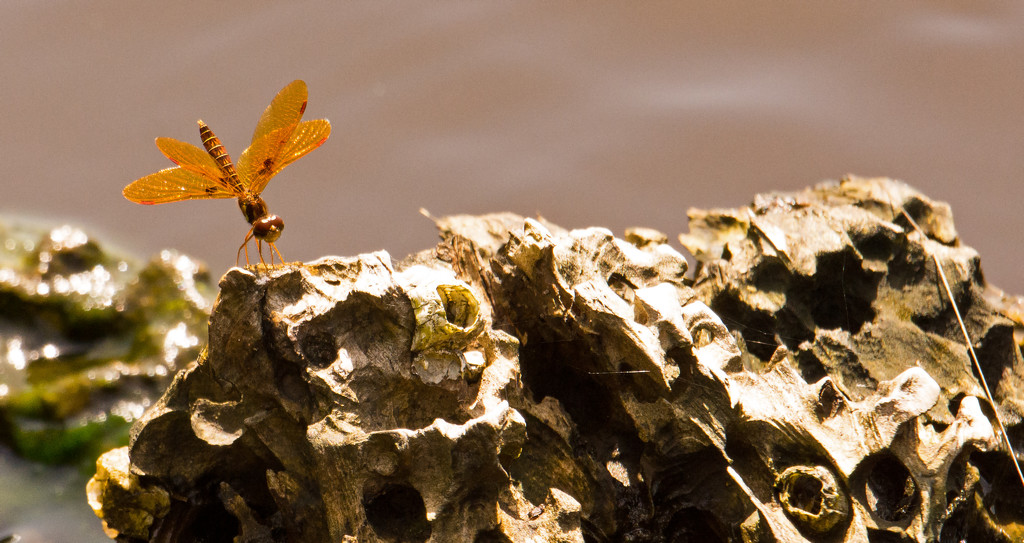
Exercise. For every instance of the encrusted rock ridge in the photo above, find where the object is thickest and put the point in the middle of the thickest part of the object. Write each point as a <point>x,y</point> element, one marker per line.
<point>807,381</point>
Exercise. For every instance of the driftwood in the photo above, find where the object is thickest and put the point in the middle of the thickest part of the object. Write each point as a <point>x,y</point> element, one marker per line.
<point>521,382</point>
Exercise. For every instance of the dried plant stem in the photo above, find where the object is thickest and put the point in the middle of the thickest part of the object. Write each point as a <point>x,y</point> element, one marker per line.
<point>970,347</point>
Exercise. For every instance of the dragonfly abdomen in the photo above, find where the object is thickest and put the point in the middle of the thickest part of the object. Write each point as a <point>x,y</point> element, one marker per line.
<point>217,151</point>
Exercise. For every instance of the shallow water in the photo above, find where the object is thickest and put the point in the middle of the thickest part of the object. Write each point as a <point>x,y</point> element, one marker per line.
<point>43,504</point>
<point>615,115</point>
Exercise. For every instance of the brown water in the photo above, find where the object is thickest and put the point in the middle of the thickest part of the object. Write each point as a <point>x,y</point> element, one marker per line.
<point>615,115</point>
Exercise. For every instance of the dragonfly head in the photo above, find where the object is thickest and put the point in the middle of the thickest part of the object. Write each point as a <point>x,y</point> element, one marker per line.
<point>268,228</point>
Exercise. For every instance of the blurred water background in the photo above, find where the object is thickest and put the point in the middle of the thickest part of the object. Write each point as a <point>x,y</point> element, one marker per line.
<point>613,114</point>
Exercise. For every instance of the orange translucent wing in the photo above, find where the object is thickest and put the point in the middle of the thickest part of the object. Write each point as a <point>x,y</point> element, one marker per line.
<point>284,110</point>
<point>174,185</point>
<point>307,136</point>
<point>273,130</point>
<point>194,159</point>
<point>258,159</point>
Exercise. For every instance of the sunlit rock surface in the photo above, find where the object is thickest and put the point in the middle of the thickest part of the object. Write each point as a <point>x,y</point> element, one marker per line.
<point>117,496</point>
<point>88,338</point>
<point>521,382</point>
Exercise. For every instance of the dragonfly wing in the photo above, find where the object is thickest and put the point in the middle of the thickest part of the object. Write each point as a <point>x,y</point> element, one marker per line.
<point>307,136</point>
<point>273,130</point>
<point>192,158</point>
<point>257,162</point>
<point>284,110</point>
<point>174,185</point>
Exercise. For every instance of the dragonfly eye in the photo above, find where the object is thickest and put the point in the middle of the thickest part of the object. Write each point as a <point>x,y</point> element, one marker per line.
<point>268,228</point>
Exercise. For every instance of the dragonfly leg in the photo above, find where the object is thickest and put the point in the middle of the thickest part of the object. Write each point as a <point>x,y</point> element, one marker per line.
<point>274,247</point>
<point>245,246</point>
<point>259,248</point>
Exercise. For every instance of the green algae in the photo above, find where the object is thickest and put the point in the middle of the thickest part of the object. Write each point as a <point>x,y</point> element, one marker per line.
<point>88,338</point>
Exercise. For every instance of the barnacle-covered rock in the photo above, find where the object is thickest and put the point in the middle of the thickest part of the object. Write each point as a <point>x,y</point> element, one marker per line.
<point>447,317</point>
<point>837,281</point>
<point>447,312</point>
<point>331,427</point>
<point>120,499</point>
<point>837,275</point>
<point>88,338</point>
<point>522,382</point>
<point>813,499</point>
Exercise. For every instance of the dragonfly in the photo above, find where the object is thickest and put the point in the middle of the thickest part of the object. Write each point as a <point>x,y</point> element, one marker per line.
<point>280,138</point>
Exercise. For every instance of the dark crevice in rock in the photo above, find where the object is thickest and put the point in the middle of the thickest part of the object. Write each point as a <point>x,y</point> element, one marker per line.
<point>208,522</point>
<point>890,490</point>
<point>811,367</point>
<point>693,524</point>
<point>1001,501</point>
<point>396,513</point>
<point>997,353</point>
<point>685,490</point>
<point>756,327</point>
<point>885,536</point>
<point>840,294</point>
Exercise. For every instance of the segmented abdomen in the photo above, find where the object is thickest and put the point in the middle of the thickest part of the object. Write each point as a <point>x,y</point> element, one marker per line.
<point>216,150</point>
